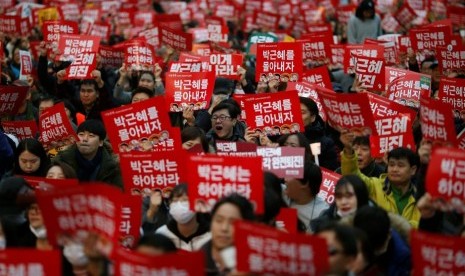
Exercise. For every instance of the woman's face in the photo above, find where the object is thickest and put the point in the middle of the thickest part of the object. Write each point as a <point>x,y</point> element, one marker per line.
<point>189,144</point>
<point>292,141</point>
<point>222,227</point>
<point>146,80</point>
<point>138,97</point>
<point>28,162</point>
<point>307,117</point>
<point>35,216</point>
<point>345,198</point>
<point>55,172</point>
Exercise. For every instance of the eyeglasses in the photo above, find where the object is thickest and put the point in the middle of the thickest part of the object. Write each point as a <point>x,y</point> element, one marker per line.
<point>221,118</point>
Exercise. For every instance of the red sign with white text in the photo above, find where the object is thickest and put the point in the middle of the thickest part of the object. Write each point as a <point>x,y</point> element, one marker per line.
<point>318,76</point>
<point>131,218</point>
<point>274,113</point>
<point>451,60</point>
<point>348,111</point>
<point>408,89</point>
<point>393,131</point>
<point>150,170</point>
<point>110,57</point>
<point>92,207</point>
<point>225,65</point>
<point>176,39</point>
<point>266,250</point>
<point>279,59</point>
<point>437,122</point>
<point>452,91</point>
<point>328,184</point>
<point>434,254</point>
<point>213,177</point>
<point>365,50</point>
<point>21,129</point>
<point>287,220</point>
<point>430,37</point>
<point>69,46</point>
<point>183,90</point>
<point>139,55</point>
<point>284,162</point>
<point>82,67</point>
<point>12,98</point>
<point>55,126</point>
<point>316,47</point>
<point>151,36</point>
<point>239,148</point>
<point>129,124</point>
<point>382,107</point>
<point>307,90</point>
<point>46,184</point>
<point>370,72</point>
<point>133,263</point>
<point>30,262</point>
<point>53,29</point>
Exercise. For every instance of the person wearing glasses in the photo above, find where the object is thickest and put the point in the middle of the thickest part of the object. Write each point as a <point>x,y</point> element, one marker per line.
<point>224,119</point>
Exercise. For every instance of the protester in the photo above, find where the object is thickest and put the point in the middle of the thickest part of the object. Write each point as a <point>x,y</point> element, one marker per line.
<point>364,24</point>
<point>155,245</point>
<point>30,158</point>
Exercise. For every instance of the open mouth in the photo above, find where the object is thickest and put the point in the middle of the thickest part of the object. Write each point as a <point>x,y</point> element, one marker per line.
<point>218,127</point>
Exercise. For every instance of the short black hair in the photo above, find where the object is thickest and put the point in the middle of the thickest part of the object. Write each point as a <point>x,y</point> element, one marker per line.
<point>311,105</point>
<point>194,132</point>
<point>141,89</point>
<point>242,203</point>
<point>375,222</point>
<point>90,82</point>
<point>344,234</point>
<point>93,126</point>
<point>404,153</point>
<point>365,5</point>
<point>178,191</point>
<point>360,189</point>
<point>157,241</point>
<point>363,140</point>
<point>232,110</point>
<point>312,176</point>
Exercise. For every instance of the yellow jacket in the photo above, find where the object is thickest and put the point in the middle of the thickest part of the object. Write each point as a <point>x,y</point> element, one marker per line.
<point>381,193</point>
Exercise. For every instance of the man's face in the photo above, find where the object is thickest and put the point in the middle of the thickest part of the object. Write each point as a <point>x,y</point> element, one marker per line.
<point>222,123</point>
<point>88,143</point>
<point>44,105</point>
<point>339,262</point>
<point>88,94</point>
<point>363,155</point>
<point>399,171</point>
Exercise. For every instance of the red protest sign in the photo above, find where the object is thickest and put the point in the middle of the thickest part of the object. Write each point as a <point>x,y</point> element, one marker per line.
<point>186,67</point>
<point>128,125</point>
<point>101,30</point>
<point>46,184</point>
<point>287,220</point>
<point>218,34</point>
<point>318,76</point>
<point>227,148</point>
<point>451,60</point>
<point>130,222</point>
<point>259,251</point>
<point>392,73</point>
<point>266,20</point>
<point>338,55</point>
<point>225,11</point>
<point>69,46</point>
<point>408,89</point>
<point>445,176</point>
<point>188,89</point>
<point>201,49</point>
<point>12,98</point>
<point>434,254</point>
<point>452,91</point>
<point>316,47</point>
<point>328,184</point>
<point>365,50</point>
<point>225,65</point>
<point>150,170</point>
<point>437,122</point>
<point>278,59</point>
<point>405,15</point>
<point>53,29</point>
<point>21,129</point>
<point>274,113</point>
<point>133,263</point>
<point>144,18</point>
<point>10,24</point>
<point>390,49</point>
<point>307,90</point>
<point>151,36</point>
<point>69,11</point>
<point>82,66</point>
<point>349,112</point>
<point>30,262</point>
<point>284,162</point>
<point>176,39</point>
<point>110,56</point>
<point>456,14</point>
<point>319,28</point>
<point>382,107</point>
<point>370,72</point>
<point>139,55</point>
<point>92,207</point>
<point>343,13</point>
<point>430,37</point>
<point>393,131</point>
<point>213,177</point>
<point>55,127</point>
<point>25,64</point>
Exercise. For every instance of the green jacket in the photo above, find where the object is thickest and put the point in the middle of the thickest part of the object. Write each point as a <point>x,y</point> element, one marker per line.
<point>380,191</point>
<point>109,171</point>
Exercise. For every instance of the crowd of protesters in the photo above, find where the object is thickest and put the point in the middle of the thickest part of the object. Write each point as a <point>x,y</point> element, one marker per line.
<point>377,201</point>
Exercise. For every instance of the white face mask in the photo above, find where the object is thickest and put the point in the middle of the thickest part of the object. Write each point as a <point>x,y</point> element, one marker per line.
<point>2,243</point>
<point>40,233</point>
<point>74,253</point>
<point>180,212</point>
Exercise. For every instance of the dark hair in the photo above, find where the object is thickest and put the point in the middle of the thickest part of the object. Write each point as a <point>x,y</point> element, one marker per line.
<point>234,103</point>
<point>46,98</point>
<point>90,82</point>
<point>178,191</point>
<point>272,182</point>
<point>375,222</point>
<point>365,5</point>
<point>68,171</point>
<point>242,203</point>
<point>360,189</point>
<point>303,141</point>
<point>157,241</point>
<point>35,147</point>
<point>93,126</point>
<point>365,247</point>
<point>311,105</point>
<point>141,89</point>
<point>344,234</point>
<point>232,110</point>
<point>273,203</point>
<point>404,153</point>
<point>312,176</point>
<point>363,140</point>
<point>193,132</point>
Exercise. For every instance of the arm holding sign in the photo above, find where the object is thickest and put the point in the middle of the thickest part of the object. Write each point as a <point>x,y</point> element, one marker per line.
<point>123,97</point>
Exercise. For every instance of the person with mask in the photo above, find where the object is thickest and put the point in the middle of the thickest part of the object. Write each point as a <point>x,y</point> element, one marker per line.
<point>33,232</point>
<point>188,231</point>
